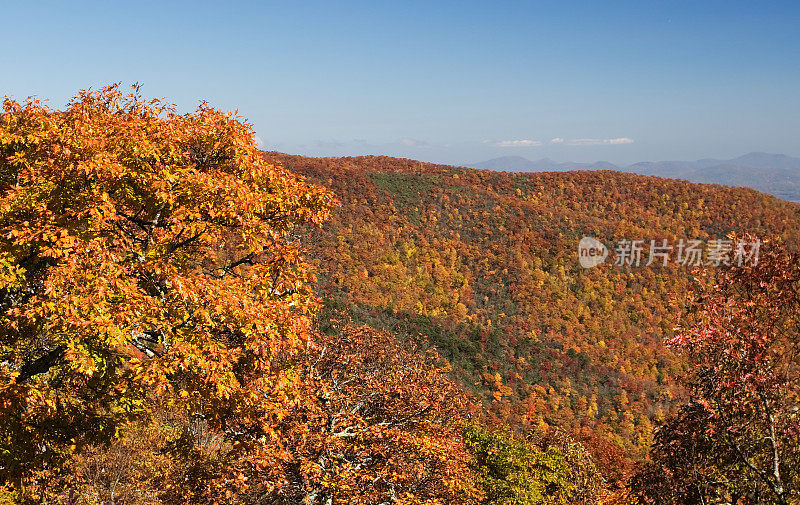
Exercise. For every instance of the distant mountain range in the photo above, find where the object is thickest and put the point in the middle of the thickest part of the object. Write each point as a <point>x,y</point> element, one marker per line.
<point>776,174</point>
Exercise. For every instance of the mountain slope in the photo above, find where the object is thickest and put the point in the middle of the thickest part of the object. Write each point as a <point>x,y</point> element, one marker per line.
<point>485,265</point>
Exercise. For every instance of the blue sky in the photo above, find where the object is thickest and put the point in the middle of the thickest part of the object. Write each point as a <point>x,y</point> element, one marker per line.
<point>454,82</point>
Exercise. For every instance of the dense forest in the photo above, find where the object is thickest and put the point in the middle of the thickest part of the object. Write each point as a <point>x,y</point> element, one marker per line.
<point>484,264</point>
<point>187,319</point>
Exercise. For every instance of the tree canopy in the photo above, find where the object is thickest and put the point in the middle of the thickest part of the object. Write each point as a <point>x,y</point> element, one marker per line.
<point>146,255</point>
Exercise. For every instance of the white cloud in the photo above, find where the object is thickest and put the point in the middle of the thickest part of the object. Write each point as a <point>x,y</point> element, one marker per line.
<point>518,143</point>
<point>259,142</point>
<point>413,143</point>
<point>599,142</point>
<point>557,140</point>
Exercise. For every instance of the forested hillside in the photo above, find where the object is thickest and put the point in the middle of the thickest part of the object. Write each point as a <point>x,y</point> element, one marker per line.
<point>485,265</point>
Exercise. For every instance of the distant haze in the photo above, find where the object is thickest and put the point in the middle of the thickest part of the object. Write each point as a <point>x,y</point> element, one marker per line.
<point>776,174</point>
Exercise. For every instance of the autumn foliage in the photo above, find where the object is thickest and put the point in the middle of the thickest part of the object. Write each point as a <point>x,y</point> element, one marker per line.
<point>157,331</point>
<point>145,254</point>
<point>187,320</point>
<point>369,422</point>
<point>385,426</point>
<point>483,265</point>
<point>737,439</point>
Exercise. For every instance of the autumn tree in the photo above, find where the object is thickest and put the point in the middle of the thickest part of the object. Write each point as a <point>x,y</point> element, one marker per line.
<point>145,254</point>
<point>381,424</point>
<point>738,437</point>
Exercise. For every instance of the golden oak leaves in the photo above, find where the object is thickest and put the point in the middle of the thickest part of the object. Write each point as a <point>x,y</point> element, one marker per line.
<point>144,252</point>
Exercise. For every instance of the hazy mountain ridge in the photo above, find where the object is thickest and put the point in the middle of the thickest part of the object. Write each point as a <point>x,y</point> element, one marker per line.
<point>776,174</point>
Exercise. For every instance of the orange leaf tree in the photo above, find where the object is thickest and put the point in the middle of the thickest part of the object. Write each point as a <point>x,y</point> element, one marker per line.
<point>144,254</point>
